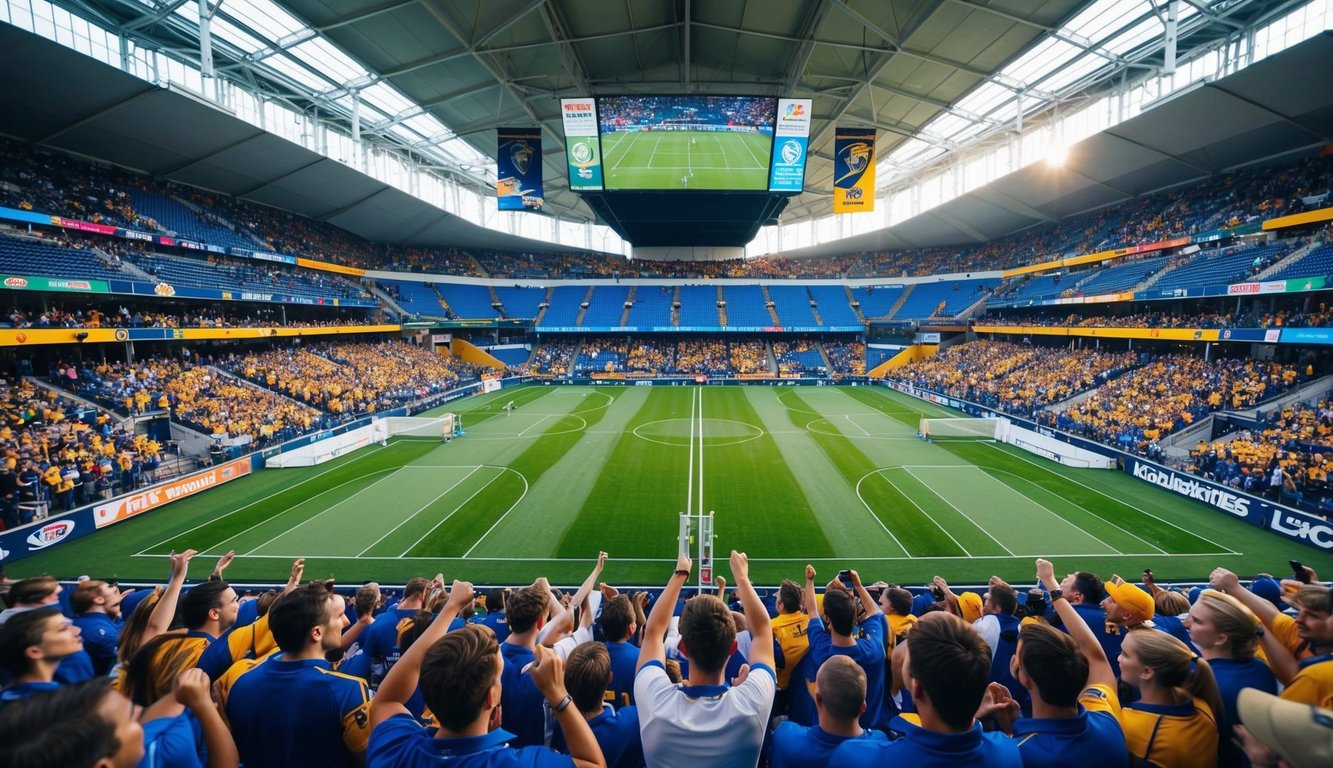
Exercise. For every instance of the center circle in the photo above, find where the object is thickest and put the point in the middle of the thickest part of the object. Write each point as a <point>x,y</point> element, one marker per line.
<point>715,431</point>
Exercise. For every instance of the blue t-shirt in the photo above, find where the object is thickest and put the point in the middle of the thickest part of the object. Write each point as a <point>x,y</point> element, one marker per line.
<point>399,742</point>
<point>1173,626</point>
<point>617,733</point>
<point>76,668</point>
<point>921,748</point>
<point>801,697</point>
<point>101,636</point>
<point>380,640</point>
<point>868,653</point>
<point>1232,676</point>
<point>798,746</point>
<point>1087,740</point>
<point>285,713</point>
<point>173,742</point>
<point>498,624</point>
<point>522,706</point>
<point>624,663</point>
<point>21,691</point>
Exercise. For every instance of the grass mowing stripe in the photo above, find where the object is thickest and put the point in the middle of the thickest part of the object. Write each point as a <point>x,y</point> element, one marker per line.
<point>917,533</point>
<point>476,517</point>
<point>635,503</point>
<point>746,483</point>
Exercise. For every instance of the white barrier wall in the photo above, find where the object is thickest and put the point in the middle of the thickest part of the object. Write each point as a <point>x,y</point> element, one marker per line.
<point>1057,450</point>
<point>330,448</point>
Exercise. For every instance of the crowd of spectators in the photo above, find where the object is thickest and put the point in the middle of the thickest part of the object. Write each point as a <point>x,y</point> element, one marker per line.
<point>1295,317</point>
<point>1081,671</point>
<point>708,356</point>
<point>193,317</point>
<point>1167,393</point>
<point>749,356</point>
<point>848,358</point>
<point>649,356</point>
<point>554,358</point>
<point>1286,457</point>
<point>793,356</point>
<point>619,113</point>
<point>1017,378</point>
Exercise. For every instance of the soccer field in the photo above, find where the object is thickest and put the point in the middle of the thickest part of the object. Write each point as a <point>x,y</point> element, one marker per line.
<point>686,160</point>
<point>829,475</point>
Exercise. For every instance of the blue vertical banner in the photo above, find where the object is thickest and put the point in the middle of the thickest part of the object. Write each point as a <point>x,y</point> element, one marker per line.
<point>854,170</point>
<point>791,138</point>
<point>518,169</point>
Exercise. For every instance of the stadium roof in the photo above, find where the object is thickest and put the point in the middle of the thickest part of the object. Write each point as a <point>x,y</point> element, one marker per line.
<point>435,77</point>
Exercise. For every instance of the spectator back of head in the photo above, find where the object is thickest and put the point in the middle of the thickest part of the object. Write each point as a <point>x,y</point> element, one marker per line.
<point>617,616</point>
<point>457,674</point>
<point>587,675</point>
<point>707,631</point>
<point>1052,664</point>
<point>951,664</point>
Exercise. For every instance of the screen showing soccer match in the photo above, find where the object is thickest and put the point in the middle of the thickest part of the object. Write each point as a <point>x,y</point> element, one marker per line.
<point>686,142</point>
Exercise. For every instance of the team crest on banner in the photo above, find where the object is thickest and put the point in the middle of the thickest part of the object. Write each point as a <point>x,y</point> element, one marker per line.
<point>518,173</point>
<point>854,170</point>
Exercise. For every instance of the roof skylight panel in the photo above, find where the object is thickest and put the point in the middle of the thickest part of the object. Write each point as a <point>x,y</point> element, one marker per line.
<point>223,29</point>
<point>332,62</point>
<point>300,74</point>
<point>386,98</point>
<point>1045,57</point>
<point>264,17</point>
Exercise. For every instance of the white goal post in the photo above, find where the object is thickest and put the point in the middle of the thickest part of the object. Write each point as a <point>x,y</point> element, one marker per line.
<point>977,429</point>
<point>443,427</point>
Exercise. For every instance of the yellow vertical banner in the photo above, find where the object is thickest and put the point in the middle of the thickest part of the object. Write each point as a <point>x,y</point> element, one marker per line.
<point>854,170</point>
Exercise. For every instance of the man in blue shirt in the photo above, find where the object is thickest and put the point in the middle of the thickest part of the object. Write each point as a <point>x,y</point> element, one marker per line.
<point>1075,708</point>
<point>460,678</point>
<point>840,698</point>
<point>32,645</point>
<point>380,640</point>
<point>587,673</point>
<point>618,627</point>
<point>96,606</point>
<point>495,615</point>
<point>863,642</point>
<point>521,701</point>
<point>293,709</point>
<point>947,666</point>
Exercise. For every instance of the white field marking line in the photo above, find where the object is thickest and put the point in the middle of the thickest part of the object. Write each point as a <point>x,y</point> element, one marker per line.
<point>689,161</point>
<point>689,481</point>
<point>745,142</point>
<point>442,521</point>
<point>1079,506</point>
<point>908,496</point>
<point>1052,513</point>
<point>1112,498</point>
<point>534,425</point>
<point>722,150</point>
<point>620,140</point>
<point>875,517</point>
<point>810,429</point>
<point>852,421</point>
<point>842,558</point>
<point>909,471</point>
<point>701,450</point>
<point>522,496</point>
<point>320,514</point>
<point>419,511</point>
<point>654,152</point>
<point>210,521</point>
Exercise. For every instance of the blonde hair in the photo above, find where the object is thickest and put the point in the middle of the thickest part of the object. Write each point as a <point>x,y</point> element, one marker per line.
<point>1231,618</point>
<point>1170,602</point>
<point>1177,666</point>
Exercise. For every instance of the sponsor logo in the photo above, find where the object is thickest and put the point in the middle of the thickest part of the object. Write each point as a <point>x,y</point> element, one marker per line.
<point>853,193</point>
<point>791,152</point>
<point>582,153</point>
<point>74,285</point>
<point>122,334</point>
<point>132,235</point>
<point>1194,489</point>
<point>855,157</point>
<point>794,109</point>
<point>21,337</point>
<point>16,282</point>
<point>51,533</point>
<point>520,154</point>
<point>1318,534</point>
<point>164,289</point>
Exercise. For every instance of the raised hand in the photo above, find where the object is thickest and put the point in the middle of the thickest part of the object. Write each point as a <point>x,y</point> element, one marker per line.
<point>223,562</point>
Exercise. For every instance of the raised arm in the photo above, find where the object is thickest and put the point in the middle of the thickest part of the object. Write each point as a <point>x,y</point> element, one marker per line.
<point>294,578</point>
<point>164,612</point>
<point>1099,668</point>
<point>808,601</point>
<point>867,602</point>
<point>1225,581</point>
<point>548,674</point>
<point>222,564</point>
<point>653,647</point>
<point>401,682</point>
<point>564,614</point>
<point>756,615</point>
<point>193,691</point>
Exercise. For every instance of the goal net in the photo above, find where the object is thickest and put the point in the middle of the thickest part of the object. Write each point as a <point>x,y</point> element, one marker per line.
<point>443,427</point>
<point>977,429</point>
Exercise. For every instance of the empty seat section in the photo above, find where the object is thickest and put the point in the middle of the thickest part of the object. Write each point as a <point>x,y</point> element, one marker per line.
<point>467,300</point>
<point>793,305</point>
<point>511,356</point>
<point>1316,263</point>
<point>416,298</point>
<point>698,306</point>
<point>834,309</point>
<point>652,306</point>
<point>1042,287</point>
<point>1122,277</point>
<point>877,300</point>
<point>606,306</point>
<point>521,302</point>
<point>23,257</point>
<point>875,357</point>
<point>171,215</point>
<point>1213,268</point>
<point>564,309</point>
<point>745,306</point>
<point>925,300</point>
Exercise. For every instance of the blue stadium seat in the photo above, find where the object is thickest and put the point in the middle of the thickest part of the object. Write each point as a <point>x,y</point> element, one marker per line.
<point>745,306</point>
<point>793,305</point>
<point>606,306</point>
<point>564,309</point>
<point>834,308</point>
<point>698,306</point>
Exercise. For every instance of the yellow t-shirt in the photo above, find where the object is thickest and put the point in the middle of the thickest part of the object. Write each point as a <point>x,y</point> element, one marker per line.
<point>789,630</point>
<point>1179,735</point>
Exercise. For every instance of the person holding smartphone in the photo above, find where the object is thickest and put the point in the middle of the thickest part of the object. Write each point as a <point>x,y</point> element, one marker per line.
<point>838,632</point>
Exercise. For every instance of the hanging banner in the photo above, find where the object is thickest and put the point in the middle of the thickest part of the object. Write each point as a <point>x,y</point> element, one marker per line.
<point>518,169</point>
<point>791,138</point>
<point>581,146</point>
<point>854,170</point>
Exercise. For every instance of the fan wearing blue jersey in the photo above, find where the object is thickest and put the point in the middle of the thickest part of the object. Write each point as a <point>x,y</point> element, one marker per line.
<point>587,675</point>
<point>183,728</point>
<point>1075,709</point>
<point>840,698</point>
<point>293,709</point>
<point>32,646</point>
<point>863,641</point>
<point>947,666</point>
<point>460,679</point>
<point>618,627</point>
<point>380,639</point>
<point>522,710</point>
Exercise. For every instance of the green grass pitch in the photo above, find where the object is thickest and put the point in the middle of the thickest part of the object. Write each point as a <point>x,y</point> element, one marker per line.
<point>686,160</point>
<point>833,476</point>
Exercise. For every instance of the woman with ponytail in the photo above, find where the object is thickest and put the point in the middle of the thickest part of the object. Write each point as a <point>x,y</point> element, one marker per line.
<point>1173,724</point>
